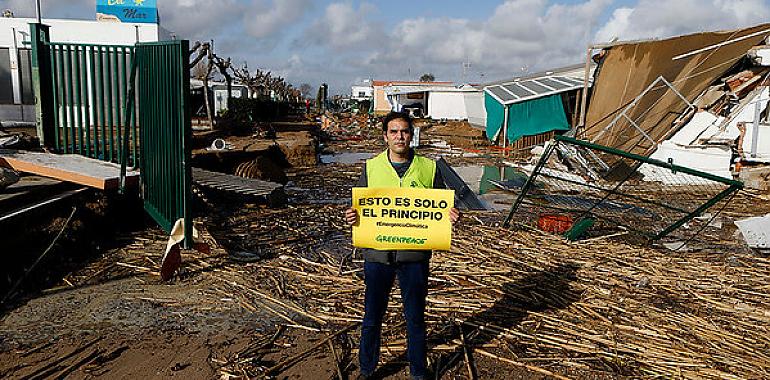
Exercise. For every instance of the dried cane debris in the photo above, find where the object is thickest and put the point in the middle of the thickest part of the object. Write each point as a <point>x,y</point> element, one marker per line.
<point>524,299</point>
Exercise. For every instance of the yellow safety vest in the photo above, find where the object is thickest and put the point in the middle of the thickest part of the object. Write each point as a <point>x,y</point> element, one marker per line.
<point>380,172</point>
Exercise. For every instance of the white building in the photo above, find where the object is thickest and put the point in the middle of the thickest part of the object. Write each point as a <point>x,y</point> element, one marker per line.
<point>218,93</point>
<point>16,94</point>
<point>439,102</point>
<point>364,91</point>
<point>458,103</point>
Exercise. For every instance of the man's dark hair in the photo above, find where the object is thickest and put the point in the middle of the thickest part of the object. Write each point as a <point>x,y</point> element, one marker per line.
<point>393,115</point>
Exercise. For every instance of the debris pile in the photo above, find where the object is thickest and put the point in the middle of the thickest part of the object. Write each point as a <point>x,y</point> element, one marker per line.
<point>347,126</point>
<point>532,301</point>
<point>458,134</point>
<point>731,121</point>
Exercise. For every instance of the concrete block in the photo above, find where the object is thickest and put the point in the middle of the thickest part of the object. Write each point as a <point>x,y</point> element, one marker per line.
<point>756,177</point>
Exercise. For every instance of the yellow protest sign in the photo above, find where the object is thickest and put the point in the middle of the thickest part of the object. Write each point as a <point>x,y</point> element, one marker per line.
<point>402,218</point>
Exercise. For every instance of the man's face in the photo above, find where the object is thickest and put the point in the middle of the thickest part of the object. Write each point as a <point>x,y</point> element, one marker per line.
<point>398,135</point>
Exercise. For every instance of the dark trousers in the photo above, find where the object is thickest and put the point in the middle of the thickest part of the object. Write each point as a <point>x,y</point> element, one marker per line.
<point>413,280</point>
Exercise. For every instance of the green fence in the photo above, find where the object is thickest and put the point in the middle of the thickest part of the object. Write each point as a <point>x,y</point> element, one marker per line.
<point>165,133</point>
<point>87,104</point>
<point>91,86</point>
<point>576,181</point>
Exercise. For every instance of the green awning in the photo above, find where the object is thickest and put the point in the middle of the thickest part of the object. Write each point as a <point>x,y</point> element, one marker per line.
<point>527,118</point>
<point>495,114</point>
<point>536,116</point>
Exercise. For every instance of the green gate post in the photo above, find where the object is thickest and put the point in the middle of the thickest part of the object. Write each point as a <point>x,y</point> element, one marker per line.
<point>42,79</point>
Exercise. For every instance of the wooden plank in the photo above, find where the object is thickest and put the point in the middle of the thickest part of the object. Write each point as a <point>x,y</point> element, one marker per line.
<point>68,167</point>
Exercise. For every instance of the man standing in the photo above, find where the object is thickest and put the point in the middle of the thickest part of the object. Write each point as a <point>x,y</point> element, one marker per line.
<point>397,166</point>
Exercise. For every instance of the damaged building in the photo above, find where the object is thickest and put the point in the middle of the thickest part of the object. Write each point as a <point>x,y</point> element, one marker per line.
<point>668,128</point>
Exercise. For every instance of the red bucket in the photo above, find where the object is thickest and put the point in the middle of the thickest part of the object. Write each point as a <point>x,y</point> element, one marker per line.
<point>555,223</point>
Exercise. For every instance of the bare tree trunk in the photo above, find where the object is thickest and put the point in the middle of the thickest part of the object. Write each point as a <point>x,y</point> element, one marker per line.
<point>229,81</point>
<point>206,95</point>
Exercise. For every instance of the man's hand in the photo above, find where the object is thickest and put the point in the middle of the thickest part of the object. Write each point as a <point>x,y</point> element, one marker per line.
<point>351,216</point>
<point>454,215</point>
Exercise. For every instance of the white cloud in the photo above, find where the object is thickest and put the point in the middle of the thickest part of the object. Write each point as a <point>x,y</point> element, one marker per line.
<point>533,33</point>
<point>662,18</point>
<point>265,18</point>
<point>343,27</point>
<point>519,33</point>
<point>537,34</point>
<point>51,9</point>
<point>198,19</point>
<point>345,40</point>
<point>442,41</point>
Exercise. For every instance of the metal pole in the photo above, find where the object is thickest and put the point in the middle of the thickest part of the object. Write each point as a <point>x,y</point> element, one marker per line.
<point>37,11</point>
<point>755,133</point>
<point>727,42</point>
<point>505,126</point>
<point>530,181</point>
<point>584,95</point>
<point>16,79</point>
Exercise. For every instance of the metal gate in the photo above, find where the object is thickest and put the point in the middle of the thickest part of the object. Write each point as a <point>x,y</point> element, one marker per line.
<point>86,104</point>
<point>92,85</point>
<point>165,133</point>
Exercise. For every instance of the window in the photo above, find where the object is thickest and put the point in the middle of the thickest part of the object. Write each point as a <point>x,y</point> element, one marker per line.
<point>6,85</point>
<point>362,94</point>
<point>25,74</point>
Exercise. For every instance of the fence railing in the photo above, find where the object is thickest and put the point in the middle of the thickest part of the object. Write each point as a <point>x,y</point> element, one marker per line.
<point>575,180</point>
<point>90,88</point>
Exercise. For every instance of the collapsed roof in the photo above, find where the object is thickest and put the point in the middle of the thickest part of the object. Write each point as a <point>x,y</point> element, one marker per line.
<point>689,63</point>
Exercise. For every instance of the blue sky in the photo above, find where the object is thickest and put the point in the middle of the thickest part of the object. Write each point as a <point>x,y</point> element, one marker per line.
<point>342,42</point>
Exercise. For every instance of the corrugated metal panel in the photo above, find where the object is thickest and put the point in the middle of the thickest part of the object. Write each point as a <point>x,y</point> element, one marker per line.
<point>517,90</point>
<point>554,84</point>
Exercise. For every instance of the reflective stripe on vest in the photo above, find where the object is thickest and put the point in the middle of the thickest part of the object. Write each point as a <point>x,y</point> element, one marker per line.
<point>380,172</point>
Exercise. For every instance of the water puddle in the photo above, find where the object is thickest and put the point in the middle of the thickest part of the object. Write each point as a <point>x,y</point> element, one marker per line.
<point>345,158</point>
<point>495,185</point>
<point>483,179</point>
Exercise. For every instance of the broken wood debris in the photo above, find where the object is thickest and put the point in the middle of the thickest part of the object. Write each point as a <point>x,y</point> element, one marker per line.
<point>636,310</point>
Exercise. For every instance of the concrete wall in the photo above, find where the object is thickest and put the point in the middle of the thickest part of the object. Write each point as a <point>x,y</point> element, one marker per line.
<point>79,31</point>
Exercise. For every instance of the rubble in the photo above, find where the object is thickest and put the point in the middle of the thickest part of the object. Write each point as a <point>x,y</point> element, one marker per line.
<point>756,231</point>
<point>458,134</point>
